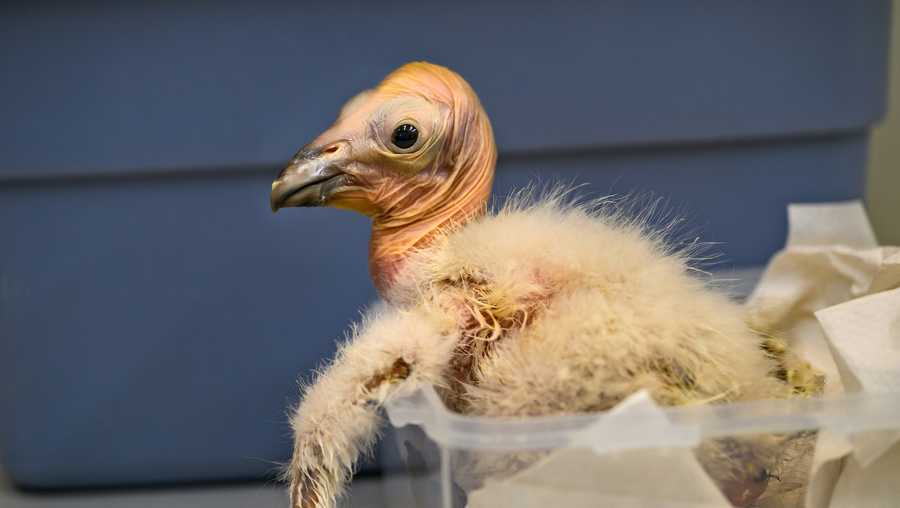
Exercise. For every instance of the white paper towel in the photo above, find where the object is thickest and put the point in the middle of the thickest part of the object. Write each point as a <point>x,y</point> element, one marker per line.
<point>831,257</point>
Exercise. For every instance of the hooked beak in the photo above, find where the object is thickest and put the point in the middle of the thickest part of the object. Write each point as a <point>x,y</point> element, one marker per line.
<point>309,180</point>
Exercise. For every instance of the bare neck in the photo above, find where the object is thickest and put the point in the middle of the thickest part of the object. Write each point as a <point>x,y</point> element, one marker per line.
<point>393,240</point>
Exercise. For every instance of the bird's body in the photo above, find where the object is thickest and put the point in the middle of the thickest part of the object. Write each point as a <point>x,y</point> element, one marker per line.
<point>540,308</point>
<point>559,308</point>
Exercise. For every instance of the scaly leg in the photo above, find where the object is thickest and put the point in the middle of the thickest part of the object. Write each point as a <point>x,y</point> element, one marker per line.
<point>338,418</point>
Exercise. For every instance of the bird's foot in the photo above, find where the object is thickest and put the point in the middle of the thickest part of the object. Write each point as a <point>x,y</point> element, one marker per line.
<point>314,482</point>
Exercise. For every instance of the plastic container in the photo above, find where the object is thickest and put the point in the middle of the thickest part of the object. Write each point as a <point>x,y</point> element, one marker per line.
<point>643,456</point>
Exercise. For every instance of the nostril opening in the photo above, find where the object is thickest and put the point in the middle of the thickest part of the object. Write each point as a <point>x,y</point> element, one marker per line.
<point>330,149</point>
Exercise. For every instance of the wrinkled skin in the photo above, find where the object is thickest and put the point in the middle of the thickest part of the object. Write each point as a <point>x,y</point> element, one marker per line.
<point>409,193</point>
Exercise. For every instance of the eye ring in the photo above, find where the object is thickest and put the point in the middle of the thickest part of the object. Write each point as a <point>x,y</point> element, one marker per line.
<point>405,136</point>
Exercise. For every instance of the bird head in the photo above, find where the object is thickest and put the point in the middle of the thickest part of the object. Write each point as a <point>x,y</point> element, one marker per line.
<point>416,154</point>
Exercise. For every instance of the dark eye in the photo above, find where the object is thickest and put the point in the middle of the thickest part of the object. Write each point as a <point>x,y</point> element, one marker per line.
<point>405,136</point>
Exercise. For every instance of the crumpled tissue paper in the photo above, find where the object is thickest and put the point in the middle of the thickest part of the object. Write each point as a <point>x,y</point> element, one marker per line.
<point>833,294</point>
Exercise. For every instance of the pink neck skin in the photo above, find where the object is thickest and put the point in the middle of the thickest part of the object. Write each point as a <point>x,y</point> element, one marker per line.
<point>391,245</point>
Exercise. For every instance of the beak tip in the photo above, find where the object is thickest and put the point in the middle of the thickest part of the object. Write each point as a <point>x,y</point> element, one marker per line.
<point>274,200</point>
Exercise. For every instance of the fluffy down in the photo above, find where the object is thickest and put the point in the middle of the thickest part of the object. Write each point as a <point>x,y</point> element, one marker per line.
<point>538,309</point>
<point>567,308</point>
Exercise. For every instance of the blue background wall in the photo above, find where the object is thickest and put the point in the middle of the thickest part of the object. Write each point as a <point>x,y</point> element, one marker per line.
<point>154,315</point>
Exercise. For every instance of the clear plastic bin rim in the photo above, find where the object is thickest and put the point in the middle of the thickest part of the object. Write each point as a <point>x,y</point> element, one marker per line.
<point>650,427</point>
